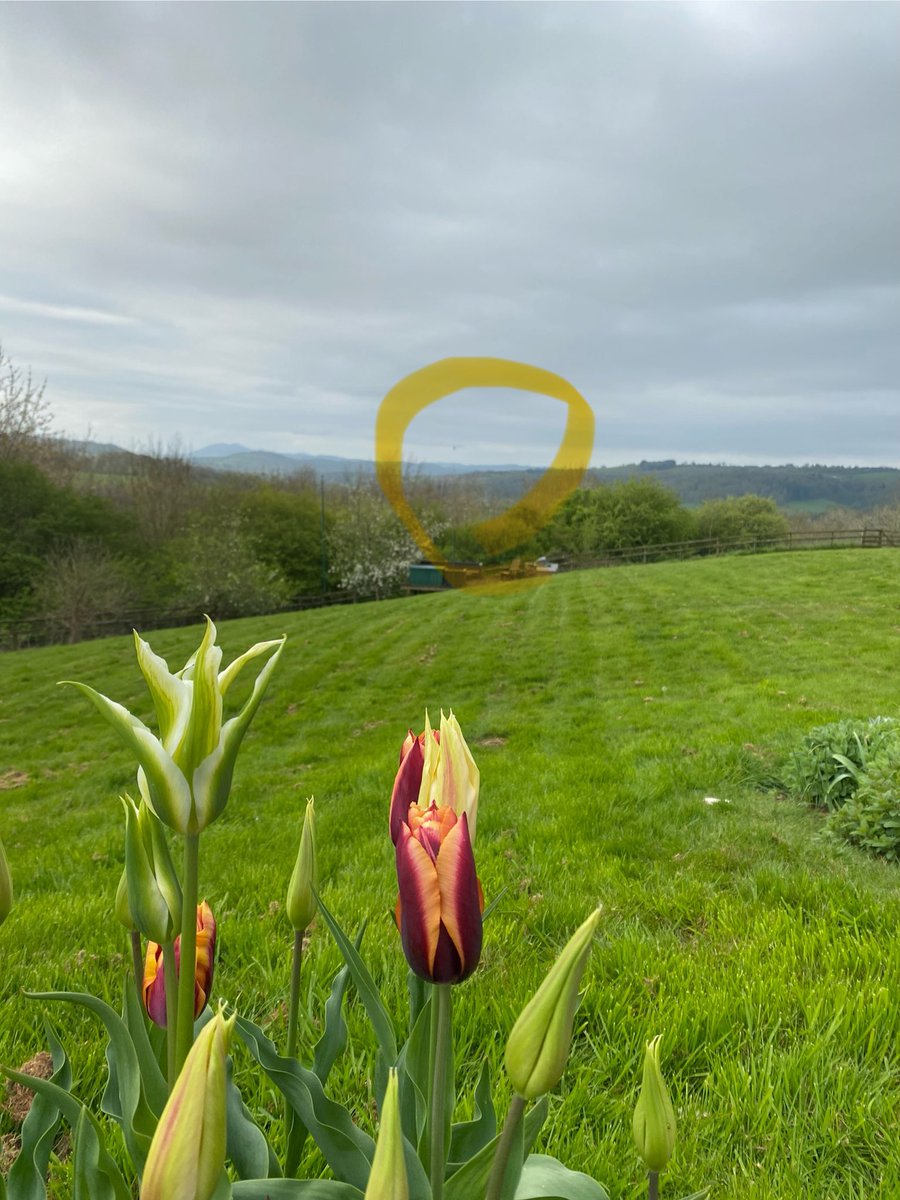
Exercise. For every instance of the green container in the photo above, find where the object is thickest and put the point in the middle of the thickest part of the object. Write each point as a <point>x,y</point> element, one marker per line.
<point>425,575</point>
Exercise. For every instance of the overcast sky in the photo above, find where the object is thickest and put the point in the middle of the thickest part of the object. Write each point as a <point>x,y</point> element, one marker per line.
<point>245,223</point>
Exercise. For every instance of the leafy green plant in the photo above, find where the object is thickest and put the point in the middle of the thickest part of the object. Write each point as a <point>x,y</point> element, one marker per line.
<point>827,766</point>
<point>870,818</point>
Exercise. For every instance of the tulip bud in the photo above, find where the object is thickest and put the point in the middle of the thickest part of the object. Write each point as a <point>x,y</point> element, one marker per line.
<point>301,900</point>
<point>388,1179</point>
<point>539,1044</point>
<point>187,1154</point>
<point>654,1117</point>
<point>6,887</point>
<point>154,894</point>
<point>122,907</point>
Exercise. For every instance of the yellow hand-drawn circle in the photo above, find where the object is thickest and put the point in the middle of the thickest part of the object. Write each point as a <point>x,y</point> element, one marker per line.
<point>423,387</point>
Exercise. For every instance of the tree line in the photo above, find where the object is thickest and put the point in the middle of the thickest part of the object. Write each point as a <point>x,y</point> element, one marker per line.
<point>91,542</point>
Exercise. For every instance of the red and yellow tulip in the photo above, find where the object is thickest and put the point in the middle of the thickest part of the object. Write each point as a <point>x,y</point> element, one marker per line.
<point>154,975</point>
<point>432,821</point>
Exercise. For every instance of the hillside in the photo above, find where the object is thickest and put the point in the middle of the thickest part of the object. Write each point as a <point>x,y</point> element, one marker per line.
<point>602,707</point>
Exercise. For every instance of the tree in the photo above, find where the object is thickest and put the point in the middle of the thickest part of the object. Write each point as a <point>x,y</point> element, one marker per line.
<point>637,512</point>
<point>740,518</point>
<point>25,418</point>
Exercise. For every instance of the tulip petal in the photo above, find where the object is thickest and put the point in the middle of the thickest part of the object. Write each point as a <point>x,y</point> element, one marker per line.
<point>171,696</point>
<point>212,778</point>
<point>459,901</point>
<point>202,733</point>
<point>406,786</point>
<point>154,987</point>
<point>169,793</point>
<point>420,903</point>
<point>231,672</point>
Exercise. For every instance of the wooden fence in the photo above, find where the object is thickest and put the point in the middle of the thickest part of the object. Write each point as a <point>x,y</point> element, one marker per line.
<point>17,633</point>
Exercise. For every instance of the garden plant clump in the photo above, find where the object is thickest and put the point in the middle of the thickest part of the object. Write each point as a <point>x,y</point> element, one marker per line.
<point>186,1131</point>
<point>826,767</point>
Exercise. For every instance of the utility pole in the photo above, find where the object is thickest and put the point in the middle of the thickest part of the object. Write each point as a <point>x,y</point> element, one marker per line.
<point>324,557</point>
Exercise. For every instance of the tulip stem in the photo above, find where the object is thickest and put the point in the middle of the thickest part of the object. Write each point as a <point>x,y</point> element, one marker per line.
<point>292,1143</point>
<point>170,979</point>
<point>185,1026</point>
<point>441,1051</point>
<point>653,1185</point>
<point>137,964</point>
<point>504,1147</point>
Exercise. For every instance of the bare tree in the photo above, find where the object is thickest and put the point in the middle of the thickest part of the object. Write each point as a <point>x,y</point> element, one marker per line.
<point>25,417</point>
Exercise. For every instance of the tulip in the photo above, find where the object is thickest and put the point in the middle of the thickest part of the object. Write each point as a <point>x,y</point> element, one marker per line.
<point>122,907</point>
<point>539,1044</point>
<point>154,893</point>
<point>436,768</point>
<point>6,887</point>
<point>654,1117</point>
<point>154,975</point>
<point>388,1179</point>
<point>440,903</point>
<point>185,773</point>
<point>187,1153</point>
<point>301,896</point>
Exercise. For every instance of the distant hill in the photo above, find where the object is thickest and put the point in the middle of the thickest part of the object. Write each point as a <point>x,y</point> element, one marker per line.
<point>812,488</point>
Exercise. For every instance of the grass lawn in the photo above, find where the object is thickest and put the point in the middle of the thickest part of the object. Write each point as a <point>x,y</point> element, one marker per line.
<point>602,707</point>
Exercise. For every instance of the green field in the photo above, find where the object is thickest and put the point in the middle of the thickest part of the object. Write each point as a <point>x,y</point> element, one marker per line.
<point>602,708</point>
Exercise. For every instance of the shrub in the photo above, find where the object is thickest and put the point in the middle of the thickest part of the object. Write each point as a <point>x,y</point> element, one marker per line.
<point>829,763</point>
<point>870,818</point>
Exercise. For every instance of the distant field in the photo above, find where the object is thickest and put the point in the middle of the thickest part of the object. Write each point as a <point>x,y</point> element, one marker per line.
<point>602,708</point>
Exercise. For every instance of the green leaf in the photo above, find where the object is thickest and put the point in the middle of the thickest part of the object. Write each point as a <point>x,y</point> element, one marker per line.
<point>470,1180</point>
<point>334,1036</point>
<point>295,1189</point>
<point>123,1098</point>
<point>248,1147</point>
<point>365,986</point>
<point>156,1090</point>
<point>28,1173</point>
<point>97,1176</point>
<point>346,1148</point>
<point>413,1064</point>
<point>545,1178</point>
<point>468,1137</point>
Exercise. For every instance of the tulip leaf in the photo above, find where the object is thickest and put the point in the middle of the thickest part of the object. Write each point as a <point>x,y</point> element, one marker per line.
<point>28,1173</point>
<point>97,1176</point>
<point>365,986</point>
<point>468,1137</point>
<point>334,1036</point>
<point>346,1148</point>
<point>247,1145</point>
<point>418,995</point>
<point>472,1177</point>
<point>413,1063</point>
<point>295,1189</point>
<point>156,1090</point>
<point>545,1178</point>
<point>123,1098</point>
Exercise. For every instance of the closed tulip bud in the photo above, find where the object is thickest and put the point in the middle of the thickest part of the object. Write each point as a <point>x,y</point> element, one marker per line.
<point>654,1117</point>
<point>122,907</point>
<point>154,988</point>
<point>6,887</point>
<point>154,893</point>
<point>539,1044</point>
<point>388,1179</point>
<point>301,899</point>
<point>187,1154</point>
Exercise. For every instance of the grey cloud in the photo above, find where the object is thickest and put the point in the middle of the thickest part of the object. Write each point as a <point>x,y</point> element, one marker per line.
<point>689,211</point>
